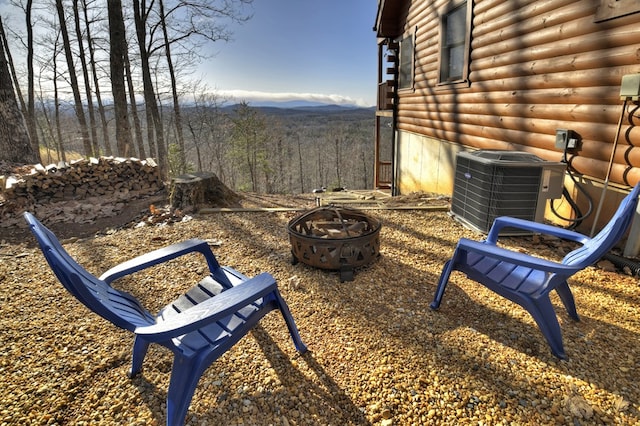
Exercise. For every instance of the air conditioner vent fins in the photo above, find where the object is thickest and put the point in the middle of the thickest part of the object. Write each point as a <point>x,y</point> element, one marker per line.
<point>489,184</point>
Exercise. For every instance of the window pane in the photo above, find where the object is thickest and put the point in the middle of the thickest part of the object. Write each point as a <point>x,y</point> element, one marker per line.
<point>406,63</point>
<point>456,62</point>
<point>456,23</point>
<point>453,49</point>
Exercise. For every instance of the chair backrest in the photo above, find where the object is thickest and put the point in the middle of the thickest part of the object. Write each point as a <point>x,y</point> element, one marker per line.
<point>600,244</point>
<point>118,307</point>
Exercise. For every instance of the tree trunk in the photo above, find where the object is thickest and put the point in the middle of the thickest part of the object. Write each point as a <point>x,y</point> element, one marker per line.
<point>49,136</point>
<point>85,77</point>
<point>137,127</point>
<point>15,145</point>
<point>117,46</point>
<point>149,93</point>
<point>74,81</point>
<point>196,136</point>
<point>96,83</point>
<point>192,191</point>
<point>56,98</point>
<point>31,106</point>
<point>338,156</point>
<point>300,165</point>
<point>174,91</point>
<point>5,44</point>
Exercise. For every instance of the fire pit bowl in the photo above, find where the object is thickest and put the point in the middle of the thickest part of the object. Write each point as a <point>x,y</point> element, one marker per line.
<point>334,238</point>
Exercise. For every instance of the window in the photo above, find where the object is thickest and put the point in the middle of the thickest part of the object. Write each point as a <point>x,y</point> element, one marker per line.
<point>455,39</point>
<point>405,68</point>
<point>615,9</point>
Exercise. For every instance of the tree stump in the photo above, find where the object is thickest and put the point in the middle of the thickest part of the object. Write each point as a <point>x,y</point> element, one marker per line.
<point>194,190</point>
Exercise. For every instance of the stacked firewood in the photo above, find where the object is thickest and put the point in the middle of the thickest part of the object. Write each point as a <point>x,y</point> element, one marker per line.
<point>78,191</point>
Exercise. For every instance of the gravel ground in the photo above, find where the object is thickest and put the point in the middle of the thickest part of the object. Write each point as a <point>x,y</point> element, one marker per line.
<point>378,354</point>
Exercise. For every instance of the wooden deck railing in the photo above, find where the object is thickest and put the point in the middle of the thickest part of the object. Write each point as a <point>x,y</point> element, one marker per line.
<point>384,174</point>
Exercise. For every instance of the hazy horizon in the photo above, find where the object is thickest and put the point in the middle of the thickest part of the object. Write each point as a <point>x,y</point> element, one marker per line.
<point>314,51</point>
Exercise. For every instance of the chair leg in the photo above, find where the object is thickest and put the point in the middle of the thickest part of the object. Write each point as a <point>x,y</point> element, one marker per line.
<point>567,300</point>
<point>140,347</point>
<point>185,375</point>
<point>442,284</point>
<point>545,316</point>
<point>291,325</point>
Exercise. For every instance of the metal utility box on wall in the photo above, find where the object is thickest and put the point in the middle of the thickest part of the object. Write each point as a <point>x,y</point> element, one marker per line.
<point>489,184</point>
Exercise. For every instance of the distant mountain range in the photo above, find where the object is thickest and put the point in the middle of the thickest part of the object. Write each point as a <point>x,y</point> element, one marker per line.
<point>309,112</point>
<point>305,105</point>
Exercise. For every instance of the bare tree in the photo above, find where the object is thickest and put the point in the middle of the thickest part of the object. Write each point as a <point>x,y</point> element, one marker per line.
<point>214,128</point>
<point>273,168</point>
<point>96,83</point>
<point>185,24</point>
<point>168,34</point>
<point>300,166</point>
<point>28,108</point>
<point>9,62</point>
<point>85,78</point>
<point>141,12</point>
<point>15,145</point>
<point>5,45</point>
<point>137,126</point>
<point>174,89</point>
<point>79,108</point>
<point>248,139</point>
<point>48,133</point>
<point>117,45</point>
<point>322,159</point>
<point>31,106</point>
<point>56,99</point>
<point>203,123</point>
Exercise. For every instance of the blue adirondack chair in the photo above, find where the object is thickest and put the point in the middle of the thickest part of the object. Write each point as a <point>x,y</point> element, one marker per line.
<point>528,280</point>
<point>198,327</point>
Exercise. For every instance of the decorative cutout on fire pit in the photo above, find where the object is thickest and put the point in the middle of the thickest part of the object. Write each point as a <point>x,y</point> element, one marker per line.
<point>335,238</point>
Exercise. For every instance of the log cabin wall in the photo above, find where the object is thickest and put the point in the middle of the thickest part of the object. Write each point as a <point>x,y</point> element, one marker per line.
<point>535,66</point>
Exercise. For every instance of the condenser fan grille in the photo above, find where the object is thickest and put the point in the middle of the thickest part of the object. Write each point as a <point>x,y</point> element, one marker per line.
<point>488,186</point>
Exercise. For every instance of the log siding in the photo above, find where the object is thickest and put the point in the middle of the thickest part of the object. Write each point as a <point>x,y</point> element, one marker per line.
<point>535,66</point>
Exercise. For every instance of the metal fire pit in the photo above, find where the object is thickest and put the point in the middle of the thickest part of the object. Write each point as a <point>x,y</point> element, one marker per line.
<point>335,238</point>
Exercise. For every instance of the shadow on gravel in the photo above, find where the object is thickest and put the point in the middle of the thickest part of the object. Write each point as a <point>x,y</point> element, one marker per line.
<point>135,210</point>
<point>325,396</point>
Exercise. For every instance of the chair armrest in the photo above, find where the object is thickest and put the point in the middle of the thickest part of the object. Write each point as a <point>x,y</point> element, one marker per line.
<point>514,257</point>
<point>210,310</point>
<point>160,256</point>
<point>541,228</point>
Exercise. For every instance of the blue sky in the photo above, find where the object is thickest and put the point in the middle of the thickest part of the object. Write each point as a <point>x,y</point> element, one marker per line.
<point>319,50</point>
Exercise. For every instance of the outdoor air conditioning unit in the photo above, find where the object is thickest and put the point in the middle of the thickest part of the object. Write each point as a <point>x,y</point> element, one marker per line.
<point>489,184</point>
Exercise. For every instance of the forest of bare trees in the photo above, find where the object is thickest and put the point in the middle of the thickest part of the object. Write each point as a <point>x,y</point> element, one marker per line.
<point>116,79</point>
